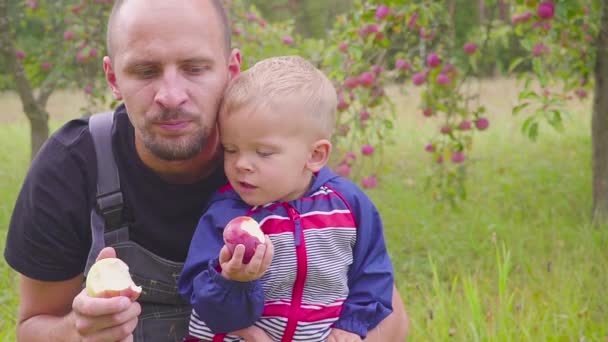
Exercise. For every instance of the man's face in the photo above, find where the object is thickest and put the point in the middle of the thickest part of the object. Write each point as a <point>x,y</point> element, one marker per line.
<point>170,66</point>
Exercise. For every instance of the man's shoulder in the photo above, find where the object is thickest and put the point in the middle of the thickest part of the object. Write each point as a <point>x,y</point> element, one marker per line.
<point>72,141</point>
<point>72,133</point>
<point>74,137</point>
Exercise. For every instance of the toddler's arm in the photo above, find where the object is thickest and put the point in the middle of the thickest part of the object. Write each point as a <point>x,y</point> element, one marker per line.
<point>224,305</point>
<point>371,277</point>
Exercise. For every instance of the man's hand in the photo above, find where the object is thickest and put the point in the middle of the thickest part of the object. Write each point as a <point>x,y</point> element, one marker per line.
<point>253,334</point>
<point>105,319</point>
<point>338,335</point>
<point>234,269</point>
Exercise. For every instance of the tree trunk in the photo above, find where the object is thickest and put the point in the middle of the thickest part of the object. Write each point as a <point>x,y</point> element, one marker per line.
<point>39,132</point>
<point>599,123</point>
<point>36,114</point>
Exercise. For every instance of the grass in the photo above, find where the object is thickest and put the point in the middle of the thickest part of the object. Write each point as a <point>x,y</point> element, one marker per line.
<point>517,261</point>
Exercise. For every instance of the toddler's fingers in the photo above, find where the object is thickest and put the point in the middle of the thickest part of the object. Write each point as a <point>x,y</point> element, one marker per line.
<point>225,255</point>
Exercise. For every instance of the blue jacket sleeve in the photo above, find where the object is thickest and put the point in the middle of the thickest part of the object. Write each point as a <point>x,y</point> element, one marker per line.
<point>224,305</point>
<point>370,277</point>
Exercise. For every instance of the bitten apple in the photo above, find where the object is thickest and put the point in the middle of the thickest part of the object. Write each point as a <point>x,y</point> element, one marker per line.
<point>243,230</point>
<point>110,278</point>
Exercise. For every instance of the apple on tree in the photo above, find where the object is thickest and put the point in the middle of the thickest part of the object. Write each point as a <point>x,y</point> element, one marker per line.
<point>243,230</point>
<point>110,277</point>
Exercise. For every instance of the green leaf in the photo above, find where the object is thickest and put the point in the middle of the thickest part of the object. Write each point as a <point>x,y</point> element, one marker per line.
<point>520,107</point>
<point>533,131</point>
<point>528,94</point>
<point>527,123</point>
<point>388,124</point>
<point>515,64</point>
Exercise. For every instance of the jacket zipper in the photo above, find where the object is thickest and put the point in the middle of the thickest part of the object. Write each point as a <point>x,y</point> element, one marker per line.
<point>302,270</point>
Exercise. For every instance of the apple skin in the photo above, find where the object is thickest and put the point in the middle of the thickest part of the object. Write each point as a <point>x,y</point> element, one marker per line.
<point>110,277</point>
<point>243,230</point>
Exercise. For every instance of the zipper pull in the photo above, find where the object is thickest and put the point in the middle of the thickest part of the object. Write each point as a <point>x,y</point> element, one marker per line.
<point>295,217</point>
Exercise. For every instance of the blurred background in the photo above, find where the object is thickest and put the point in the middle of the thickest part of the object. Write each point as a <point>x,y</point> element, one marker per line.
<point>474,125</point>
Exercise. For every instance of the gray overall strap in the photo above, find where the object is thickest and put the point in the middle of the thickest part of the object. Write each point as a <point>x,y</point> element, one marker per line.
<point>107,220</point>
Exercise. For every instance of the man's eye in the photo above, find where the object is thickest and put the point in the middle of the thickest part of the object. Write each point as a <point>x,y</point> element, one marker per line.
<point>144,73</point>
<point>196,69</point>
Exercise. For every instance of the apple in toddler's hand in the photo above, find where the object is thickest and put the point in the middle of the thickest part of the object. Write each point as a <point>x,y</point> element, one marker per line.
<point>243,230</point>
<point>110,277</point>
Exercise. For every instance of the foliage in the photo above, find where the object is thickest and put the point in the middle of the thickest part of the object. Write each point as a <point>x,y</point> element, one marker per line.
<point>562,54</point>
<point>63,41</point>
<point>372,45</point>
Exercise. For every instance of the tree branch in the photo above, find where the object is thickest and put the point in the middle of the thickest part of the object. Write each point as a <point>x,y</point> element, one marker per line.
<point>24,89</point>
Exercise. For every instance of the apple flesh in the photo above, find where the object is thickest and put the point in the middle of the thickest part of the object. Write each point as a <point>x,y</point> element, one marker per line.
<point>243,230</point>
<point>110,278</point>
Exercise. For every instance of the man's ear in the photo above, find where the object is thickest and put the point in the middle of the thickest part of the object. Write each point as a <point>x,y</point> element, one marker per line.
<point>319,155</point>
<point>234,64</point>
<point>111,77</point>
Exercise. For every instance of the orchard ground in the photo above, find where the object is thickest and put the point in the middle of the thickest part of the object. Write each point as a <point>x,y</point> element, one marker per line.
<point>517,261</point>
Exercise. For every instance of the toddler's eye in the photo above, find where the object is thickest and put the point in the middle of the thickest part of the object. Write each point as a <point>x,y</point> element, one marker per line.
<point>229,150</point>
<point>264,153</point>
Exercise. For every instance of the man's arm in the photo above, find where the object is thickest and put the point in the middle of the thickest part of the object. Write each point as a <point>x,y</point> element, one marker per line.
<point>62,311</point>
<point>45,310</point>
<point>395,327</point>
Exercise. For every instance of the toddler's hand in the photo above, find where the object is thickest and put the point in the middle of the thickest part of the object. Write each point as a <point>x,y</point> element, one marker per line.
<point>234,269</point>
<point>253,334</point>
<point>338,335</point>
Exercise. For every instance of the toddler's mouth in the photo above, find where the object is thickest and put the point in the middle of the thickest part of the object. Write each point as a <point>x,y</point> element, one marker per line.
<point>247,185</point>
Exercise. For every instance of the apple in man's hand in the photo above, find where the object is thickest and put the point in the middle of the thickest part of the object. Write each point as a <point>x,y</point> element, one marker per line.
<point>243,230</point>
<point>110,277</point>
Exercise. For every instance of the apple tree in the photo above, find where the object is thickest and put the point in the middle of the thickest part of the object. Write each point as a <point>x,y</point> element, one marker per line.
<point>48,45</point>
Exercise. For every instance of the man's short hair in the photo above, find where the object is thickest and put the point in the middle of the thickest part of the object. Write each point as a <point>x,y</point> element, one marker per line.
<point>217,5</point>
<point>285,79</point>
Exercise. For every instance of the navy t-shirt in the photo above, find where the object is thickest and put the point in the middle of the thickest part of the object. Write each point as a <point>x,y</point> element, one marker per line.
<point>49,235</point>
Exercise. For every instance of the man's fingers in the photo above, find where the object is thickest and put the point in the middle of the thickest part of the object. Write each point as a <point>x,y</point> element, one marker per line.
<point>115,333</point>
<point>127,339</point>
<point>94,307</point>
<point>88,324</point>
<point>107,252</point>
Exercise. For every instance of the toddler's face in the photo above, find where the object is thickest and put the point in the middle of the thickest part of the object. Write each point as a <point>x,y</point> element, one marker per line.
<point>266,154</point>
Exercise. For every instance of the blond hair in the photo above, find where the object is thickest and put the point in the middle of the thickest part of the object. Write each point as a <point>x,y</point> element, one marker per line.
<point>290,79</point>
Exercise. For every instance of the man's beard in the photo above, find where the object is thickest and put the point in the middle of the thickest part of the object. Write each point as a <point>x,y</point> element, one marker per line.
<point>175,148</point>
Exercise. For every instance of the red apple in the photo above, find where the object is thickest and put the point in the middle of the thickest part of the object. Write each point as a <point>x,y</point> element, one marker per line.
<point>367,150</point>
<point>433,60</point>
<point>243,230</point>
<point>343,47</point>
<point>287,40</point>
<point>382,11</point>
<point>470,48</point>
<point>418,78</point>
<point>546,10</point>
<point>110,278</point>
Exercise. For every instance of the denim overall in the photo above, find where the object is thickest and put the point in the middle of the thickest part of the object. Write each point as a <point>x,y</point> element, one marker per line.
<point>165,314</point>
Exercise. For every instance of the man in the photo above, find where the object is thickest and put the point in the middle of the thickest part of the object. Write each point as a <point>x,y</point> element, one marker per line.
<point>169,62</point>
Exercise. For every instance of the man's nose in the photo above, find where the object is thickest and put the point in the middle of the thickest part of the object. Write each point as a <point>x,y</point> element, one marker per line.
<point>172,92</point>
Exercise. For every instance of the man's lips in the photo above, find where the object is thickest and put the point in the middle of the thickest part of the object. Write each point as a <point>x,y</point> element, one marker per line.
<point>174,125</point>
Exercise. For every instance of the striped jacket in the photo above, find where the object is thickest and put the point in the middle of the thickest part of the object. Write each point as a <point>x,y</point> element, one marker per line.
<point>330,267</point>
